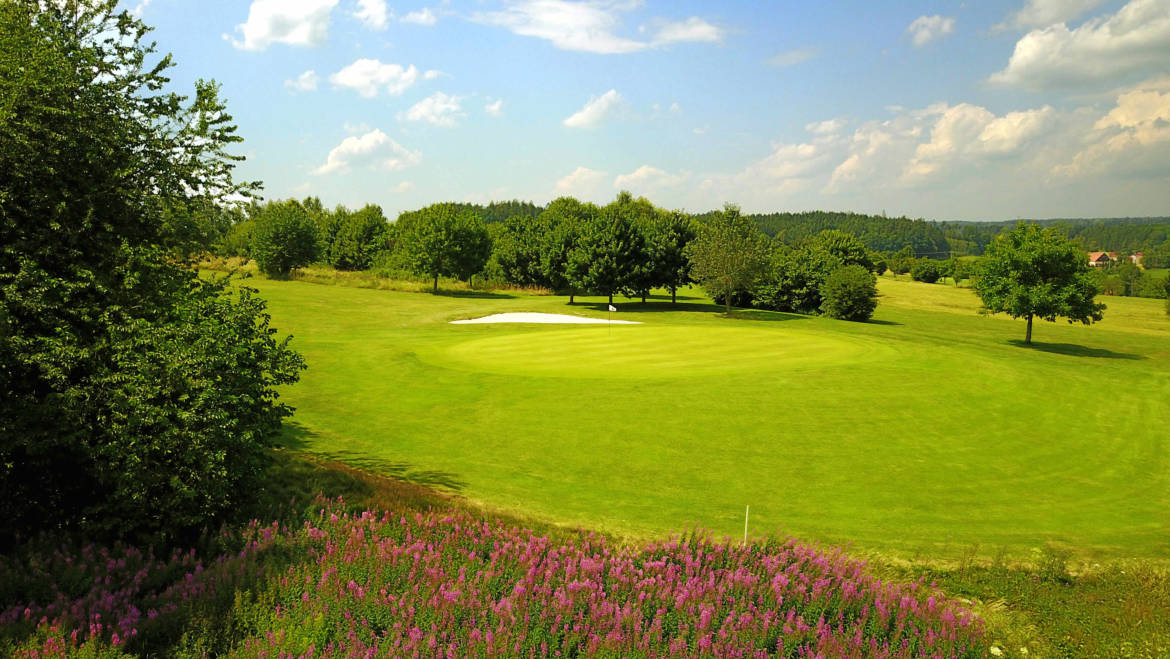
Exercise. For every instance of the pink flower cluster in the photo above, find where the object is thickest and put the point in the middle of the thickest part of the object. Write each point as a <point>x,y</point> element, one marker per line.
<point>384,584</point>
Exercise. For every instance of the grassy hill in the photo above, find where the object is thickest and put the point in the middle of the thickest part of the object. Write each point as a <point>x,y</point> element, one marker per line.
<point>922,434</point>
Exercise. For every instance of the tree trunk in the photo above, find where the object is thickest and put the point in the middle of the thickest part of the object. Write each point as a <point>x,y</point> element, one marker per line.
<point>1028,338</point>
<point>611,298</point>
<point>571,294</point>
<point>643,297</point>
<point>673,299</point>
<point>727,299</point>
<point>435,288</point>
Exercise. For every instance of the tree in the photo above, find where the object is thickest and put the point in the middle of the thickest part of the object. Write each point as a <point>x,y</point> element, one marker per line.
<point>136,399</point>
<point>642,215</point>
<point>285,238</point>
<point>926,270</point>
<point>667,243</point>
<point>517,249</point>
<point>609,250</point>
<point>1166,288</point>
<point>566,217</point>
<point>1032,272</point>
<point>845,247</point>
<point>850,293</point>
<point>794,280</point>
<point>901,261</point>
<point>728,253</point>
<point>359,236</point>
<point>443,240</point>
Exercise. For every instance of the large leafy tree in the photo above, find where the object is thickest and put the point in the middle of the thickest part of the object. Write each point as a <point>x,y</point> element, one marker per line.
<point>609,251</point>
<point>285,237</point>
<point>666,243</point>
<point>728,254</point>
<point>1033,272</point>
<point>566,218</point>
<point>444,240</point>
<point>135,398</point>
<point>518,247</point>
<point>360,235</point>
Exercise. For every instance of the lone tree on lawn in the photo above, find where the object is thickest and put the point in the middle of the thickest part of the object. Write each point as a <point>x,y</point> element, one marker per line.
<point>728,254</point>
<point>442,240</point>
<point>1033,272</point>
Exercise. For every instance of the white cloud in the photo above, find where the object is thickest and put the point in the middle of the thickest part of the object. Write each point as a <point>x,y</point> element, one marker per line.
<point>373,14</point>
<point>647,179</point>
<point>925,29</point>
<point>692,30</point>
<point>421,17</point>
<point>367,76</point>
<point>305,82</point>
<point>583,183</point>
<point>589,26</point>
<point>291,22</point>
<point>140,8</point>
<point>431,74</point>
<point>375,149</point>
<point>792,57</point>
<point>1134,41</point>
<point>495,108</point>
<point>826,127</point>
<point>353,129</point>
<point>438,109</point>
<point>595,111</point>
<point>965,133</point>
<point>1131,139</point>
<point>675,107</point>
<point>404,186</point>
<point>1042,13</point>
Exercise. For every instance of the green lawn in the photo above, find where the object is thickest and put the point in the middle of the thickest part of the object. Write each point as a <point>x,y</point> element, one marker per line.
<point>921,434</point>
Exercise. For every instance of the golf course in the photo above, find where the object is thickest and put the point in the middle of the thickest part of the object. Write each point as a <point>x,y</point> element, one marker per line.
<point>928,432</point>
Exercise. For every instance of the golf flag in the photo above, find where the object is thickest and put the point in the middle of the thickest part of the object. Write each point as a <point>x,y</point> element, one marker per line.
<point>612,308</point>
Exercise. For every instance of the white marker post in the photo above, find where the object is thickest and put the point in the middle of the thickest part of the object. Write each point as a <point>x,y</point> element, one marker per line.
<point>611,310</point>
<point>746,511</point>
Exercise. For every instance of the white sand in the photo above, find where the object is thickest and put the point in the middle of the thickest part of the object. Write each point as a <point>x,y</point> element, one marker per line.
<point>530,317</point>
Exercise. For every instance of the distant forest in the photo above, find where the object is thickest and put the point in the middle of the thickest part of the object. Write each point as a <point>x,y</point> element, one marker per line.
<point>928,238</point>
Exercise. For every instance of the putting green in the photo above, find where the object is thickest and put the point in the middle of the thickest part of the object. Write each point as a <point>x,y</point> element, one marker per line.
<point>653,351</point>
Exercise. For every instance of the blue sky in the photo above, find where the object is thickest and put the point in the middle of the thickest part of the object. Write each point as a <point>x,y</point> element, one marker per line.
<point>943,110</point>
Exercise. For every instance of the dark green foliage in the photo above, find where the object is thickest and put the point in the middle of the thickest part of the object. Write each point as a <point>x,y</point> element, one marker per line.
<point>926,270</point>
<point>518,247</point>
<point>901,261</point>
<point>1034,272</point>
<point>609,252</point>
<point>1157,256</point>
<point>285,237</point>
<point>846,248</point>
<point>794,279</point>
<point>359,237</point>
<point>850,293</point>
<point>879,263</point>
<point>443,241</point>
<point>876,232</point>
<point>134,397</point>
<point>728,254</point>
<point>666,242</point>
<point>566,218</point>
<point>643,216</point>
<point>1166,291</point>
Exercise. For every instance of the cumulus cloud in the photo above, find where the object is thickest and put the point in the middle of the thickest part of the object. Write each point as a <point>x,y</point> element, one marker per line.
<point>692,30</point>
<point>431,74</point>
<point>368,76</point>
<point>305,82</point>
<point>421,17</point>
<point>791,57</point>
<point>1042,13</point>
<point>590,26</point>
<point>438,109</point>
<point>826,127</point>
<point>595,111</point>
<point>647,179</point>
<point>374,150</point>
<point>291,22</point>
<point>494,108</point>
<point>1133,42</point>
<point>964,133</point>
<point>583,183</point>
<point>1133,138</point>
<point>925,29</point>
<point>373,14</point>
<point>404,186</point>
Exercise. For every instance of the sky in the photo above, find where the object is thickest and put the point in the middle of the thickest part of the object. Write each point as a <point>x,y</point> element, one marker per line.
<point>942,110</point>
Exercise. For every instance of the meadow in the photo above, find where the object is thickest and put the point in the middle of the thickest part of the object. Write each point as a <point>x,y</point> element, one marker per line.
<point>928,433</point>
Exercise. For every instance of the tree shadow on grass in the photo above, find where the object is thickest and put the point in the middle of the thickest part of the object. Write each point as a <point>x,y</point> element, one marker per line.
<point>737,313</point>
<point>295,437</point>
<point>478,295</point>
<point>872,321</point>
<point>1076,350</point>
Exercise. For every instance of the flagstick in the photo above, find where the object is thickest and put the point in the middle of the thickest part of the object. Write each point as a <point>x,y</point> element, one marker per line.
<point>745,512</point>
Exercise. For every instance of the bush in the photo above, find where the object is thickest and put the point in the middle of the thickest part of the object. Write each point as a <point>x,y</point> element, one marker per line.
<point>358,239</point>
<point>926,270</point>
<point>850,293</point>
<point>901,261</point>
<point>794,279</point>
<point>285,238</point>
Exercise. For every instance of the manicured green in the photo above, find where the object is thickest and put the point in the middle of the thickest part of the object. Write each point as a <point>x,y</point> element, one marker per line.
<point>922,433</point>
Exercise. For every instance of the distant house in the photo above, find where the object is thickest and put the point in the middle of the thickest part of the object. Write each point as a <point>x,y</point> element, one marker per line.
<point>1136,257</point>
<point>1101,258</point>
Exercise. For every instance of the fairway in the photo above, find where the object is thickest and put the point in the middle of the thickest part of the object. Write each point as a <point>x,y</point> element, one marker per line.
<point>924,433</point>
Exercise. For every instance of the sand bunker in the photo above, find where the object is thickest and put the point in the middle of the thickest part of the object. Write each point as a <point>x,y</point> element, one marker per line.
<point>550,318</point>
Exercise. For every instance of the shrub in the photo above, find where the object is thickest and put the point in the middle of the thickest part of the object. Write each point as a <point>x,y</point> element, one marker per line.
<point>285,238</point>
<point>850,293</point>
<point>926,270</point>
<point>794,280</point>
<point>358,239</point>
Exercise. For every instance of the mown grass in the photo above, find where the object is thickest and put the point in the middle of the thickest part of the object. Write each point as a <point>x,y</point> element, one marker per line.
<point>919,435</point>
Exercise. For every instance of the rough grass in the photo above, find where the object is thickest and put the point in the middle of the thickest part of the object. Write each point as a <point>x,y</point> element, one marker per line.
<point>918,435</point>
